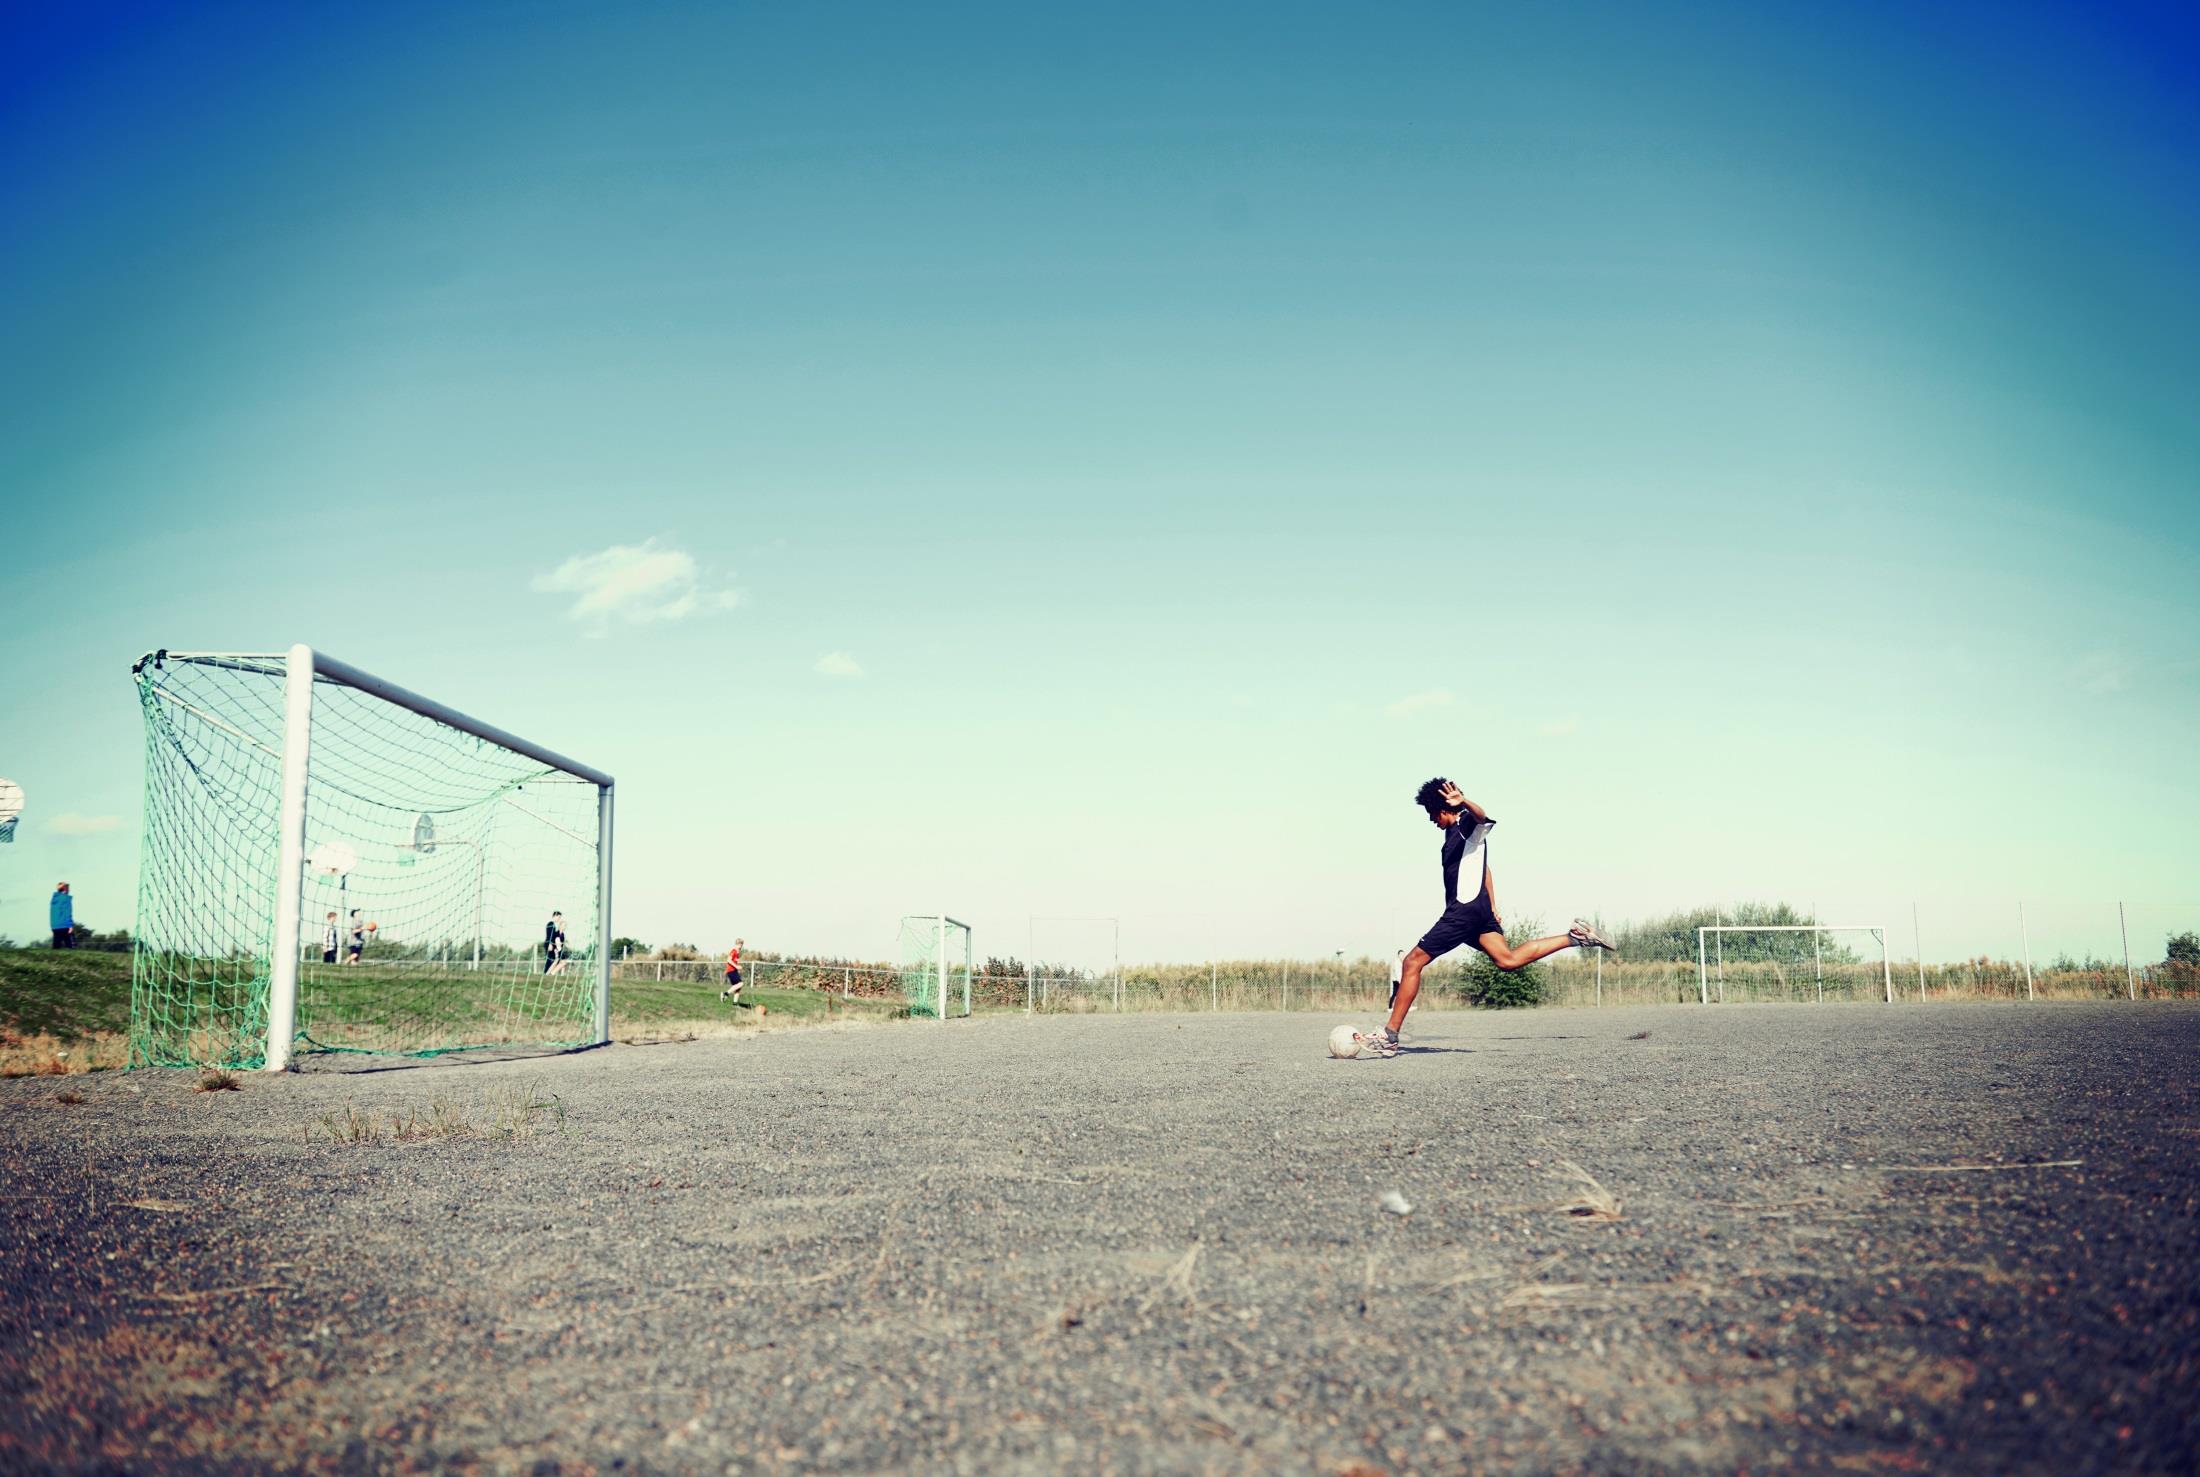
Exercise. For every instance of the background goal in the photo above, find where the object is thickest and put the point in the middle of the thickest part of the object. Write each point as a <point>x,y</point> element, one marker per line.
<point>935,965</point>
<point>1768,961</point>
<point>281,789</point>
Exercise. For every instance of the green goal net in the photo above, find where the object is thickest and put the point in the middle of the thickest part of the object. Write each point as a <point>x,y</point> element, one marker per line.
<point>428,861</point>
<point>935,966</point>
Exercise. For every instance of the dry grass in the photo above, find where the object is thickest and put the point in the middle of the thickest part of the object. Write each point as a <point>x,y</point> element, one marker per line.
<point>1592,1202</point>
<point>518,1110</point>
<point>54,1056</point>
<point>69,1096</point>
<point>216,1079</point>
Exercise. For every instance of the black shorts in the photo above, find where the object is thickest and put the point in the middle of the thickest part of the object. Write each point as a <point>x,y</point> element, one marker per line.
<point>733,977</point>
<point>1462,923</point>
<point>328,956</point>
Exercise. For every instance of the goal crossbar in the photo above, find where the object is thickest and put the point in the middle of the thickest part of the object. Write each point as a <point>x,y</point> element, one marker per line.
<point>1707,931</point>
<point>335,670</point>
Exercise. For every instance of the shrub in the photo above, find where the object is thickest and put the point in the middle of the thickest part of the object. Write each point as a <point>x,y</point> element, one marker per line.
<point>1486,985</point>
<point>2183,948</point>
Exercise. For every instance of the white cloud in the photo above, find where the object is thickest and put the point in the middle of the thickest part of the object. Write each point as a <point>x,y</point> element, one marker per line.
<point>1406,707</point>
<point>839,664</point>
<point>1559,727</point>
<point>639,584</point>
<point>69,823</point>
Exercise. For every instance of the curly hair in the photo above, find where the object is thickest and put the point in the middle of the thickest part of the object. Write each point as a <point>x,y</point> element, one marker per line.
<point>1430,797</point>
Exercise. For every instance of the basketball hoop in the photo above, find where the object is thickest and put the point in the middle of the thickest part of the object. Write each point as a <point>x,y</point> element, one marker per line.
<point>333,858</point>
<point>11,808</point>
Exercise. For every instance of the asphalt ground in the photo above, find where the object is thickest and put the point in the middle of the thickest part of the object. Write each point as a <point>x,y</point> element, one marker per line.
<point>1955,1238</point>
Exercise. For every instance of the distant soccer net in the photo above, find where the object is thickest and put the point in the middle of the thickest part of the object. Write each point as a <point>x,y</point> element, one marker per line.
<point>1764,961</point>
<point>334,863</point>
<point>935,965</point>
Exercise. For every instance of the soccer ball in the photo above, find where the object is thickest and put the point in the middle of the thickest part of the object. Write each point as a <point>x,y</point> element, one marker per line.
<point>1345,1041</point>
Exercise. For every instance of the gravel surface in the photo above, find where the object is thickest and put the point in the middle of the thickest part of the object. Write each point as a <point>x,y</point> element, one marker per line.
<point>1956,1238</point>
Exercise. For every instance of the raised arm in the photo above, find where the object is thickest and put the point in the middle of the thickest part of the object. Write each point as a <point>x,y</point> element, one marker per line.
<point>1458,801</point>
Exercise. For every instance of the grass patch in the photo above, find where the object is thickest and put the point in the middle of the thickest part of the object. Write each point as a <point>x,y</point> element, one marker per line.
<point>514,1111</point>
<point>68,994</point>
<point>217,1079</point>
<point>53,1056</point>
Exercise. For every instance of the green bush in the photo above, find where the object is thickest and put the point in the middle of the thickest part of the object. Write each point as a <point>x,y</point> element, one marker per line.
<point>1484,984</point>
<point>2183,948</point>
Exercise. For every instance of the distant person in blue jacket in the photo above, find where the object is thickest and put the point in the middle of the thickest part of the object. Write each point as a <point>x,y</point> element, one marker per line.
<point>61,913</point>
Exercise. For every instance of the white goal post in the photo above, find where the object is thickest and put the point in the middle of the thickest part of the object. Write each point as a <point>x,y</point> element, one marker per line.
<point>935,960</point>
<point>1784,958</point>
<point>440,844</point>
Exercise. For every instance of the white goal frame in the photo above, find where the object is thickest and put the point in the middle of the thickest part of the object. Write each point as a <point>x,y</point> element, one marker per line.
<point>302,664</point>
<point>1706,933</point>
<point>941,922</point>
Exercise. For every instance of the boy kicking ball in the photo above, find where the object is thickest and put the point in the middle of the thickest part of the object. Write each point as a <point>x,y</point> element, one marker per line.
<point>1470,907</point>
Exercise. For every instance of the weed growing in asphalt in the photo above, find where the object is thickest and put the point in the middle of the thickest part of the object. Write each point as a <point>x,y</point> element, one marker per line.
<point>217,1079</point>
<point>516,1111</point>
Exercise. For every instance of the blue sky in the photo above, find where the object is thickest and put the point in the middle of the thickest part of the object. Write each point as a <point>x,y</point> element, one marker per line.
<point>1100,460</point>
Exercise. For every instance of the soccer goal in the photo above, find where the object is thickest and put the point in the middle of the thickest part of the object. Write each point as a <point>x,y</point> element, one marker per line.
<point>935,965</point>
<point>333,863</point>
<point>1767,961</point>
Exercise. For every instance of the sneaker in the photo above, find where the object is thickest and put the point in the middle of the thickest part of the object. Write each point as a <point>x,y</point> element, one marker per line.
<point>1382,1042</point>
<point>1585,937</point>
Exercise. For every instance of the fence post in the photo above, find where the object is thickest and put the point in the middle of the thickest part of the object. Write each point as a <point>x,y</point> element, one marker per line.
<point>1918,940</point>
<point>2024,932</point>
<point>2131,981</point>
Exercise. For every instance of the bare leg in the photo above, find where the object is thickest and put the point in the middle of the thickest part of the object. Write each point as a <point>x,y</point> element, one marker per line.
<point>1519,956</point>
<point>1409,985</point>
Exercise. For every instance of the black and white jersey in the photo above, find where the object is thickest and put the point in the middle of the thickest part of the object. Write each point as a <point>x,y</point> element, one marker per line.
<point>553,939</point>
<point>1466,859</point>
<point>328,938</point>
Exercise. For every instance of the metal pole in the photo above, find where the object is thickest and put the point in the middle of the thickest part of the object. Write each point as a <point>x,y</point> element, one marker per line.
<point>481,891</point>
<point>1917,939</point>
<point>290,858</point>
<point>2025,933</point>
<point>1115,930</point>
<point>1703,988</point>
<point>1718,942</point>
<point>1886,968</point>
<point>940,969</point>
<point>2131,981</point>
<point>603,914</point>
<point>1818,953</point>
